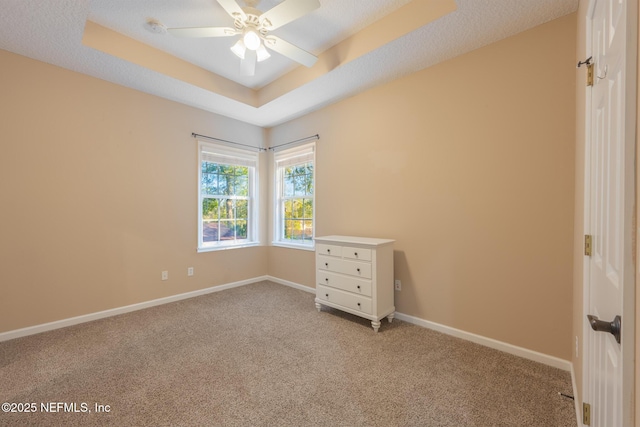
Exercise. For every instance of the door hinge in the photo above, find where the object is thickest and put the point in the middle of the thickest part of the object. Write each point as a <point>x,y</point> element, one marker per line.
<point>586,414</point>
<point>587,244</point>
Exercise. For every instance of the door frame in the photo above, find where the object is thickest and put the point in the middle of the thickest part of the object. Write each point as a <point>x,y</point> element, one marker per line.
<point>631,246</point>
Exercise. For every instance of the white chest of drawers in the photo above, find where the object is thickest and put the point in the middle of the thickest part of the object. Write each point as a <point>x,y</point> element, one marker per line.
<point>355,274</point>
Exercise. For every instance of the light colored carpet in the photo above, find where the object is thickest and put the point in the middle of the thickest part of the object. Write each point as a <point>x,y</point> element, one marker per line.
<point>261,355</point>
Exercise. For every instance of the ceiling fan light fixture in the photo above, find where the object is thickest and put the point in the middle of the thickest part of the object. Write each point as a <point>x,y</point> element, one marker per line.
<point>262,53</point>
<point>239,49</point>
<point>251,39</point>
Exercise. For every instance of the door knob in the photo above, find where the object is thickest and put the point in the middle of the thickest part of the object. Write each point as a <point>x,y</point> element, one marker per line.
<point>612,327</point>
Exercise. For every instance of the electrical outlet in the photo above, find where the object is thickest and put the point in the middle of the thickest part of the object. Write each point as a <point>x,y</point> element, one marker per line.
<point>190,271</point>
<point>397,285</point>
<point>165,275</point>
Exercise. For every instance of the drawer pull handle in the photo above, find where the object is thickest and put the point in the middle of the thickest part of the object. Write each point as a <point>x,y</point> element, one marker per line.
<point>358,270</point>
<point>355,253</point>
<point>327,295</point>
<point>328,251</point>
<point>358,304</point>
<point>326,264</point>
<point>326,279</point>
<point>358,286</point>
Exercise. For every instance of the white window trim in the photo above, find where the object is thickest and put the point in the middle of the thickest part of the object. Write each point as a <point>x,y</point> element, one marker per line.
<point>305,247</point>
<point>302,149</point>
<point>241,157</point>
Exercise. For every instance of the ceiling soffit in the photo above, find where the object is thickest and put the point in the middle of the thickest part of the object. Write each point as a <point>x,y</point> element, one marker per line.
<point>404,20</point>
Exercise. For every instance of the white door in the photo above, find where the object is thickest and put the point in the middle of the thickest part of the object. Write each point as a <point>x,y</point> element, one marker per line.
<point>609,218</point>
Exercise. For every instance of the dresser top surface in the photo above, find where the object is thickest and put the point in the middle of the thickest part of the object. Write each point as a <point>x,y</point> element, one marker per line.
<point>370,241</point>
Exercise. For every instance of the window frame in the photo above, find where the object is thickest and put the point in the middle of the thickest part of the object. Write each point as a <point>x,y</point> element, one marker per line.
<point>285,157</point>
<point>223,154</point>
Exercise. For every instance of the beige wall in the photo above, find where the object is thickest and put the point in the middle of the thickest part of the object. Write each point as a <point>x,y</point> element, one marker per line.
<point>469,165</point>
<point>637,305</point>
<point>98,196</point>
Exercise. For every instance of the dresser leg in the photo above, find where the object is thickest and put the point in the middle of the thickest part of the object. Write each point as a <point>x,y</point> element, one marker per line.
<point>375,325</point>
<point>318,306</point>
<point>390,317</point>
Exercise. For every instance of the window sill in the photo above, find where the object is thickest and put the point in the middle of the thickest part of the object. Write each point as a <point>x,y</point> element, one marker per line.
<point>227,247</point>
<point>311,248</point>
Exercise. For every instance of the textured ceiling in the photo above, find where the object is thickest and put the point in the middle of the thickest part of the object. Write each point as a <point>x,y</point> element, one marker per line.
<point>52,31</point>
<point>331,23</point>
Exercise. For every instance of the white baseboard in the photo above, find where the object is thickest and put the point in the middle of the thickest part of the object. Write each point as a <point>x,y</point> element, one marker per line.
<point>292,284</point>
<point>478,339</point>
<point>489,342</point>
<point>18,333</point>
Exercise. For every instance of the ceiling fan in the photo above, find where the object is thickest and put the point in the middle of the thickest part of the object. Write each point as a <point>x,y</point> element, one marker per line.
<point>254,26</point>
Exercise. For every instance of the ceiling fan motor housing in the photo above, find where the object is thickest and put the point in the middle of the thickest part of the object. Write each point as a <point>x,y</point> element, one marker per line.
<point>252,21</point>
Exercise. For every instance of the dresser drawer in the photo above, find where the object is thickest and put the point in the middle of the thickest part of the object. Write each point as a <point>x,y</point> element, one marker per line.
<point>329,250</point>
<point>328,263</point>
<point>359,254</point>
<point>356,268</point>
<point>338,265</point>
<point>350,284</point>
<point>354,302</point>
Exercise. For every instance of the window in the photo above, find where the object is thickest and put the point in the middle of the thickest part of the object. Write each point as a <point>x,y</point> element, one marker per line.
<point>227,197</point>
<point>295,202</point>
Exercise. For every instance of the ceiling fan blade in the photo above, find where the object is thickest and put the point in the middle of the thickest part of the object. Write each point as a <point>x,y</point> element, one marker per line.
<point>248,64</point>
<point>203,32</point>
<point>290,51</point>
<point>287,11</point>
<point>233,8</point>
